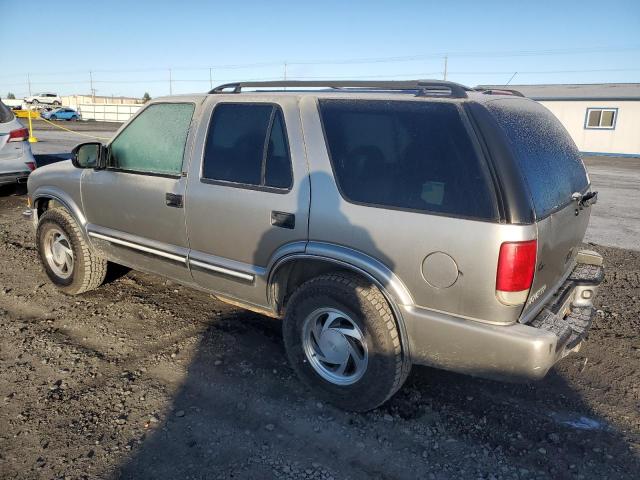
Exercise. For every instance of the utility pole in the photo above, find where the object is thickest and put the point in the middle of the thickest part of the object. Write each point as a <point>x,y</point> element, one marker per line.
<point>93,92</point>
<point>210,80</point>
<point>285,71</point>
<point>170,84</point>
<point>445,67</point>
<point>29,83</point>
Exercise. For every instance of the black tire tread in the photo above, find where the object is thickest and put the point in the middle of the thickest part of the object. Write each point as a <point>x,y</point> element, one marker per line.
<point>93,268</point>
<point>371,294</point>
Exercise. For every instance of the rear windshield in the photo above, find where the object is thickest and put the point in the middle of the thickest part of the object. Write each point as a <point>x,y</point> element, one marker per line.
<point>546,154</point>
<point>413,155</point>
<point>6,115</point>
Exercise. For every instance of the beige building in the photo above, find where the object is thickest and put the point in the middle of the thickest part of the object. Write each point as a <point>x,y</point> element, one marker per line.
<point>603,119</point>
<point>99,100</point>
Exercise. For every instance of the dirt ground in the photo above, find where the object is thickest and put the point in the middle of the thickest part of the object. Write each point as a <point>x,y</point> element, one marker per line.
<point>146,379</point>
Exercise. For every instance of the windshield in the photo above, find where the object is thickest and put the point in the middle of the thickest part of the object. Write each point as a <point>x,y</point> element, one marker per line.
<point>547,156</point>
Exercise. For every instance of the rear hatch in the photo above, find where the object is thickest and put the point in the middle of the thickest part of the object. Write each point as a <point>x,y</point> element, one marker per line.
<point>553,171</point>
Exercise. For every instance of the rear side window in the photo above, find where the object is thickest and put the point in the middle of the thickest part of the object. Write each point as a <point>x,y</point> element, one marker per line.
<point>247,144</point>
<point>413,155</point>
<point>154,141</point>
<point>6,115</point>
<point>545,153</point>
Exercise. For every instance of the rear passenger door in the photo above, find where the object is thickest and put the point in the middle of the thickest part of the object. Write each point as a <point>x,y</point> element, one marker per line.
<point>247,195</point>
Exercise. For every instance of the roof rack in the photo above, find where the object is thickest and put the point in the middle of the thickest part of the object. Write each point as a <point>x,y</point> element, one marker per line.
<point>423,87</point>
<point>499,91</point>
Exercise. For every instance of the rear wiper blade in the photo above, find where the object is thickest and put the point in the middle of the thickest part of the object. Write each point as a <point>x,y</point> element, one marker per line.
<point>585,200</point>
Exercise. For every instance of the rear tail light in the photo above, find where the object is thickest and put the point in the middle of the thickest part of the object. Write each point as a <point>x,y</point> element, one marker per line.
<point>19,135</point>
<point>31,166</point>
<point>516,266</point>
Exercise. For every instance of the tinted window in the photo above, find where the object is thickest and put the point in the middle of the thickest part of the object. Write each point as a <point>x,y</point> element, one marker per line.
<point>247,144</point>
<point>406,154</point>
<point>154,141</point>
<point>544,151</point>
<point>278,166</point>
<point>6,115</point>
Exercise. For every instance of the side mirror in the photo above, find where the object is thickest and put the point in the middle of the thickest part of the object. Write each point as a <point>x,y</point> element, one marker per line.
<point>87,155</point>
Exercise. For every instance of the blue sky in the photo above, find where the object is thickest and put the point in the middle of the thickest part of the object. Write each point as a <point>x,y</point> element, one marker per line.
<point>131,45</point>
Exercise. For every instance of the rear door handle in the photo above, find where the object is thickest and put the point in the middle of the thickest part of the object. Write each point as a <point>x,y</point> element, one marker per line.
<point>283,220</point>
<point>174,200</point>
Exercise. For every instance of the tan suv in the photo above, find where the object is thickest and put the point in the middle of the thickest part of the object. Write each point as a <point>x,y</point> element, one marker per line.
<point>387,223</point>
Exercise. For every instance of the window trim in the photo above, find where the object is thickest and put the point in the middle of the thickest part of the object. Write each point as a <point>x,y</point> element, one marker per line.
<point>250,186</point>
<point>178,175</point>
<point>484,165</point>
<point>601,109</point>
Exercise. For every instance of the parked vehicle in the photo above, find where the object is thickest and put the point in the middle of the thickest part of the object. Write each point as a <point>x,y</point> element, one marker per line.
<point>46,98</point>
<point>16,159</point>
<point>64,113</point>
<point>386,223</point>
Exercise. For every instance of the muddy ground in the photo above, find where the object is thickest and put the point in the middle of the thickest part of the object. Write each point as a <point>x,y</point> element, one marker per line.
<point>146,379</point>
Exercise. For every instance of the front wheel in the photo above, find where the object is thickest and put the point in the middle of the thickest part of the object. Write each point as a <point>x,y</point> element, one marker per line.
<point>53,117</point>
<point>342,340</point>
<point>65,255</point>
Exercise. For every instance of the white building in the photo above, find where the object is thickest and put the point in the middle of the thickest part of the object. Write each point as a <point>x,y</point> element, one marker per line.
<point>602,118</point>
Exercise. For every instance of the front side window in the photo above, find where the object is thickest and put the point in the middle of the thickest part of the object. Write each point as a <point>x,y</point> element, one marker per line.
<point>247,145</point>
<point>413,155</point>
<point>604,118</point>
<point>154,141</point>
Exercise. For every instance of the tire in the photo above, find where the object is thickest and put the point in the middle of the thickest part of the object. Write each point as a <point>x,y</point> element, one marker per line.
<point>35,101</point>
<point>360,309</point>
<point>85,271</point>
<point>56,103</point>
<point>53,117</point>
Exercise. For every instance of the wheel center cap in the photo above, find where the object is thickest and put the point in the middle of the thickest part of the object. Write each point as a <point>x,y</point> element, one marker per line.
<point>334,346</point>
<point>58,253</point>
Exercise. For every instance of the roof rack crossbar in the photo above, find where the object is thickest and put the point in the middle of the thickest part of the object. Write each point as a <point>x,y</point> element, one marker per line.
<point>424,87</point>
<point>499,91</point>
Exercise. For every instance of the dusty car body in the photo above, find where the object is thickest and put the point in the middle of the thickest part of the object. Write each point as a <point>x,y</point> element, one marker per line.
<point>388,224</point>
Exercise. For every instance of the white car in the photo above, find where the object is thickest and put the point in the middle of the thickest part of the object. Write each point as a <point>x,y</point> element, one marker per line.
<point>47,98</point>
<point>16,159</point>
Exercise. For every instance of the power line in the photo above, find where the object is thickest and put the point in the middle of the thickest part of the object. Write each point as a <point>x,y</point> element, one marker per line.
<point>368,60</point>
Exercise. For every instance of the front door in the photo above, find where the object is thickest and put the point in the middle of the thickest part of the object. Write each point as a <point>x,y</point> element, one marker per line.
<point>135,207</point>
<point>248,199</point>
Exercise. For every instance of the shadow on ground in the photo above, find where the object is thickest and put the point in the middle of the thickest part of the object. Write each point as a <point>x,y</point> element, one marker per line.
<point>241,414</point>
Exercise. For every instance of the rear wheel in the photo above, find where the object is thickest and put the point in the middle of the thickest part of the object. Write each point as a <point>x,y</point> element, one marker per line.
<point>35,101</point>
<point>56,103</point>
<point>66,257</point>
<point>342,341</point>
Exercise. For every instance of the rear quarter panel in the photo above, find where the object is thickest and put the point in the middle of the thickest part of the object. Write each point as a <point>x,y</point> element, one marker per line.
<point>402,240</point>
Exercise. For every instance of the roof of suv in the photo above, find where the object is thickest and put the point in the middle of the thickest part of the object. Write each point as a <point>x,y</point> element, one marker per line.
<point>383,90</point>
